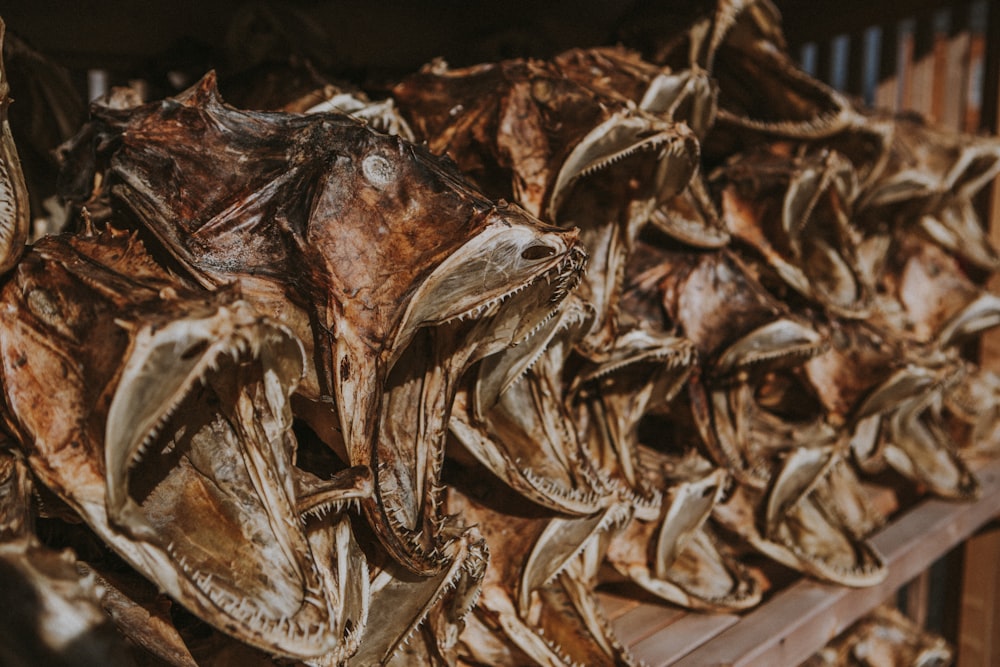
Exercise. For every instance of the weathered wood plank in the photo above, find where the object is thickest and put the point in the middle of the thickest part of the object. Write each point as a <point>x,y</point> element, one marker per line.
<point>683,635</point>
<point>979,615</point>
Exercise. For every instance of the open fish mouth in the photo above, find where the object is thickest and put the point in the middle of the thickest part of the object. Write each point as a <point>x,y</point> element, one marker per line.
<point>630,135</point>
<point>514,421</point>
<point>200,426</point>
<point>898,425</point>
<point>921,449</point>
<point>677,556</point>
<point>794,523</point>
<point>644,371</point>
<point>497,292</point>
<point>745,419</point>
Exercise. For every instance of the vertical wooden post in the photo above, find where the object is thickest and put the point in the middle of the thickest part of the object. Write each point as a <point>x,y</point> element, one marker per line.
<point>979,619</point>
<point>979,616</point>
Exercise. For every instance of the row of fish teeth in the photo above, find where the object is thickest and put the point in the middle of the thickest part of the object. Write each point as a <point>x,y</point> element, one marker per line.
<point>335,507</point>
<point>446,587</point>
<point>653,502</point>
<point>669,358</point>
<point>557,649</point>
<point>567,273</point>
<point>554,490</point>
<point>621,155</point>
<point>153,434</point>
<point>804,352</point>
<point>477,311</point>
<point>826,567</point>
<point>240,346</point>
<point>435,557</point>
<point>245,610</point>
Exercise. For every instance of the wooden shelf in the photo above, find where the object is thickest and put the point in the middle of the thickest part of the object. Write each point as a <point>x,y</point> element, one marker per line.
<point>798,620</point>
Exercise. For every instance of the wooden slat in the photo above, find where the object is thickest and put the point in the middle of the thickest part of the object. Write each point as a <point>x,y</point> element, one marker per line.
<point>979,615</point>
<point>918,594</point>
<point>681,637</point>
<point>798,620</point>
<point>645,620</point>
<point>615,605</point>
<point>957,72</point>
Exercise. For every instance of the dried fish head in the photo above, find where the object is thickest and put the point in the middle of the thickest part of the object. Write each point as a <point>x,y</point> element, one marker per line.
<point>744,335</point>
<point>792,524</point>
<point>537,604</point>
<point>173,408</point>
<point>512,416</point>
<point>795,212</point>
<point>887,395</point>
<point>644,370</point>
<point>677,556</point>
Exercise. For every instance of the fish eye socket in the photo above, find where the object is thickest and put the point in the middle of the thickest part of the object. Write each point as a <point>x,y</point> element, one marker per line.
<point>377,169</point>
<point>537,252</point>
<point>541,90</point>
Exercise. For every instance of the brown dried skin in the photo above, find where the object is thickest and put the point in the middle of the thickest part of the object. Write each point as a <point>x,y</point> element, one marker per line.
<point>676,556</point>
<point>512,417</point>
<point>796,212</point>
<point>16,516</point>
<point>537,604</point>
<point>412,276</point>
<point>173,408</point>
<point>15,215</point>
